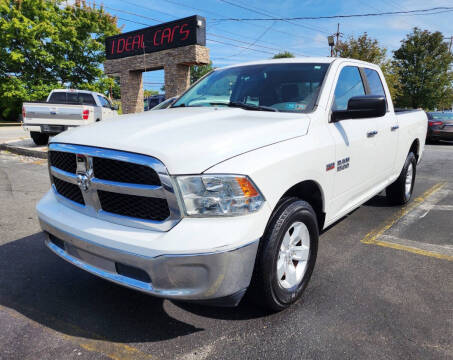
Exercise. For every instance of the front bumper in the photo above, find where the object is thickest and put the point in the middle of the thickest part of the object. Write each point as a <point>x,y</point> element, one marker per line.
<point>147,261</point>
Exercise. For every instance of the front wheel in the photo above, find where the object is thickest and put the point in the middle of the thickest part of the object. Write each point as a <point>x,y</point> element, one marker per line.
<point>287,255</point>
<point>400,192</point>
<point>39,138</point>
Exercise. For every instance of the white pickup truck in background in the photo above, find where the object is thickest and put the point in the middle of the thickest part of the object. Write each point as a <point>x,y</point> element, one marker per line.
<point>64,109</point>
<point>228,189</point>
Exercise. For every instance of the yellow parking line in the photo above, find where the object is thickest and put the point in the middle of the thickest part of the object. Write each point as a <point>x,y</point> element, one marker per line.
<point>413,250</point>
<point>372,238</point>
<point>115,351</point>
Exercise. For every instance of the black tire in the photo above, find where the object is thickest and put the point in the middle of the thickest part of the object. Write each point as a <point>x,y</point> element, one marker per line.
<point>396,192</point>
<point>266,289</point>
<point>39,138</point>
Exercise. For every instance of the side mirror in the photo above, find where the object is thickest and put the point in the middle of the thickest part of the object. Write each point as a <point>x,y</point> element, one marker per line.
<point>115,107</point>
<point>360,107</point>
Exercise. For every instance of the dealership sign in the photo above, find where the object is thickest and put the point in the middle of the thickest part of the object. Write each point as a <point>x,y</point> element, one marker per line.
<point>182,32</point>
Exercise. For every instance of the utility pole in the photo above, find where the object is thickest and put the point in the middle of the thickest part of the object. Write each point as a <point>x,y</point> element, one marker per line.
<point>334,40</point>
<point>451,41</point>
<point>338,37</point>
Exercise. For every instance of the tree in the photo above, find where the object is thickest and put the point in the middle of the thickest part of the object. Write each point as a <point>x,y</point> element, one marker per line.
<point>198,71</point>
<point>368,49</point>
<point>48,44</point>
<point>283,54</point>
<point>148,93</point>
<point>423,63</point>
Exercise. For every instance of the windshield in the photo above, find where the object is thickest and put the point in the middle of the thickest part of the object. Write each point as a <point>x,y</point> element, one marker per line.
<point>287,87</point>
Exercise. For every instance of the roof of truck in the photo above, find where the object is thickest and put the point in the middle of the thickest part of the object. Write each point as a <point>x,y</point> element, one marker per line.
<point>76,91</point>
<point>298,60</point>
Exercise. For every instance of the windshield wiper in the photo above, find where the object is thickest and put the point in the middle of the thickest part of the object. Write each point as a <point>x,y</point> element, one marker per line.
<point>244,106</point>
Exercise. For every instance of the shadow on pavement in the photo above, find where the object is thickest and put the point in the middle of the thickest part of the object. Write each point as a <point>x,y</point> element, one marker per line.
<point>58,295</point>
<point>46,289</point>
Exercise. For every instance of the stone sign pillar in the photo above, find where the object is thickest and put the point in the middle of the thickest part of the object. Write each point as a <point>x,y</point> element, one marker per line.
<point>173,46</point>
<point>177,79</point>
<point>131,84</point>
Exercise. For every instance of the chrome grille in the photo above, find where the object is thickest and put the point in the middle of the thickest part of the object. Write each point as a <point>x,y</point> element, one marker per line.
<point>125,188</point>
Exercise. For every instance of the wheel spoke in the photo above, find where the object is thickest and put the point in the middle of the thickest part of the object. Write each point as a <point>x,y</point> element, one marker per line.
<point>300,253</point>
<point>291,276</point>
<point>286,241</point>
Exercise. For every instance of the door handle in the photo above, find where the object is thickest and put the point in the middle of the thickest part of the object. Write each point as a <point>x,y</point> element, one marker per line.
<point>371,133</point>
<point>395,127</point>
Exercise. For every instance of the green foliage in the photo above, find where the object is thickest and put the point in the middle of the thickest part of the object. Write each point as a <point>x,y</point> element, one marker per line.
<point>148,93</point>
<point>198,71</point>
<point>282,55</point>
<point>362,48</point>
<point>423,63</point>
<point>46,45</point>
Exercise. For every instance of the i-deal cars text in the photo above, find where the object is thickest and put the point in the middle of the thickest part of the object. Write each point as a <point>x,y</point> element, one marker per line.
<point>227,191</point>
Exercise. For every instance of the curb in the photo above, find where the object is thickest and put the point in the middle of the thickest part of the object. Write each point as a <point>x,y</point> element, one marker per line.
<point>9,124</point>
<point>24,152</point>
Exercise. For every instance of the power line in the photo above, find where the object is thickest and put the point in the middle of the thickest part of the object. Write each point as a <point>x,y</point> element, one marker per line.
<point>267,14</point>
<point>253,44</point>
<point>243,47</point>
<point>431,11</point>
<point>173,2</point>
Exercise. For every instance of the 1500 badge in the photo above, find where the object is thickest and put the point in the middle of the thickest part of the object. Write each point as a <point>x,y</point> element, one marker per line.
<point>343,164</point>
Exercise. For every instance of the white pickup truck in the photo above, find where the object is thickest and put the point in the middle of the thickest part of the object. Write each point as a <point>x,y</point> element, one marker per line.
<point>227,191</point>
<point>64,108</point>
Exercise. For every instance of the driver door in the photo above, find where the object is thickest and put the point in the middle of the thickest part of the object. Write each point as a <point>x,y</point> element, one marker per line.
<point>355,150</point>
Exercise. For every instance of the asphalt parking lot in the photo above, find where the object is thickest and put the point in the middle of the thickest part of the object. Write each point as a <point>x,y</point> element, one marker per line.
<point>382,288</point>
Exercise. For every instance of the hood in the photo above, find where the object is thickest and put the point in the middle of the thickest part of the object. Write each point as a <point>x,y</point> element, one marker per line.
<point>190,140</point>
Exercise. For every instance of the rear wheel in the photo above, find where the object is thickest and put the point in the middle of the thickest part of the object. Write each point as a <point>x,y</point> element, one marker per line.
<point>287,255</point>
<point>39,138</point>
<point>400,192</point>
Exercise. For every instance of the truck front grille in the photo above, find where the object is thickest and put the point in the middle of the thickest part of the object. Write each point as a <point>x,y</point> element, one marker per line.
<point>121,171</point>
<point>120,187</point>
<point>140,207</point>
<point>63,160</point>
<point>68,190</point>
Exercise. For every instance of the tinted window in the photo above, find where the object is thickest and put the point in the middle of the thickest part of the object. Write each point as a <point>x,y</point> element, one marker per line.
<point>57,97</point>
<point>349,85</point>
<point>72,98</point>
<point>374,81</point>
<point>86,99</point>
<point>104,102</point>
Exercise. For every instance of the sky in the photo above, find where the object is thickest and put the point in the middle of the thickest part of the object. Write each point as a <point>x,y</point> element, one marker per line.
<point>254,40</point>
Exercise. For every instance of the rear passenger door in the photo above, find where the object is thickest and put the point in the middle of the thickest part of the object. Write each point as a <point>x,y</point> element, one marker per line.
<point>386,126</point>
<point>355,150</point>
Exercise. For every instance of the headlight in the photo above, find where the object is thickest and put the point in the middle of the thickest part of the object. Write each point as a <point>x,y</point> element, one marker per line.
<point>217,195</point>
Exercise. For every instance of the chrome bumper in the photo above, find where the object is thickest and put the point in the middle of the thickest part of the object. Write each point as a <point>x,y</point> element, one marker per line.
<point>220,278</point>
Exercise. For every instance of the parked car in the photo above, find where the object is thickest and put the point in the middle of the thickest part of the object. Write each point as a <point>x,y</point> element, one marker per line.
<point>211,200</point>
<point>64,109</point>
<point>165,104</point>
<point>440,126</point>
<point>152,101</point>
